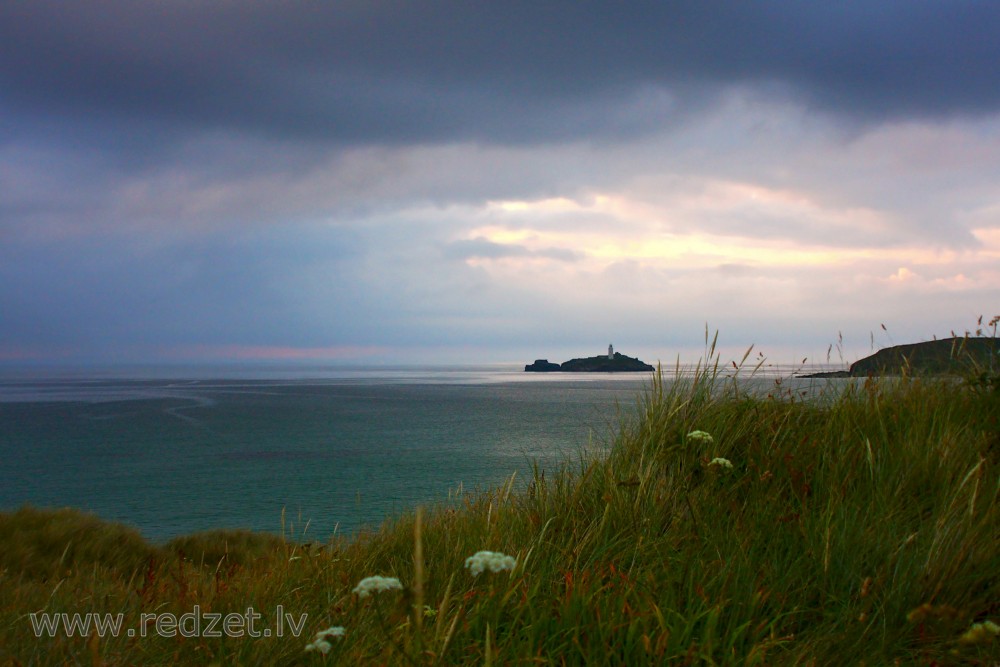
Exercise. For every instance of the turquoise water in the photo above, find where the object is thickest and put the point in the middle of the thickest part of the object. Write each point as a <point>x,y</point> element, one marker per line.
<point>340,450</point>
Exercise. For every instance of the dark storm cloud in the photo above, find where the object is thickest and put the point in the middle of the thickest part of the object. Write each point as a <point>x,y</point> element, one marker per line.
<point>393,72</point>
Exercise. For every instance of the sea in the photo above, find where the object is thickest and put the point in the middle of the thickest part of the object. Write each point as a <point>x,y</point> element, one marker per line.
<point>308,452</point>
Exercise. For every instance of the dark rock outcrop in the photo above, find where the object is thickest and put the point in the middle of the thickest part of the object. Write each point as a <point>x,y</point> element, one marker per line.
<point>826,374</point>
<point>541,366</point>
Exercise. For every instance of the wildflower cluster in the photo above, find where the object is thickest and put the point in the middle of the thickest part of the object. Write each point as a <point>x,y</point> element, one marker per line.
<point>320,643</point>
<point>489,560</point>
<point>700,437</point>
<point>370,585</point>
<point>722,463</point>
<point>980,633</point>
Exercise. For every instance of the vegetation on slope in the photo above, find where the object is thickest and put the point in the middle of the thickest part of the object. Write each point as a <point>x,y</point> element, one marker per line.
<point>948,356</point>
<point>852,527</point>
<point>967,356</point>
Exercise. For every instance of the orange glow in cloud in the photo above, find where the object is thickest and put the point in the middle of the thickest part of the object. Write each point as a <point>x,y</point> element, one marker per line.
<point>990,238</point>
<point>669,232</point>
<point>904,275</point>
<point>693,250</point>
<point>553,205</point>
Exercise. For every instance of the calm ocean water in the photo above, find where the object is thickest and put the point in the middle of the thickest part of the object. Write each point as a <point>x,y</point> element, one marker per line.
<point>175,452</point>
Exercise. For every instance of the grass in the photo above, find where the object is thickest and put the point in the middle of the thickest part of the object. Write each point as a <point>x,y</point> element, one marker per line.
<point>855,527</point>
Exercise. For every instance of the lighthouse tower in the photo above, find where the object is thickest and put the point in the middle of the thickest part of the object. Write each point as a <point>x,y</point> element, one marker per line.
<point>611,351</point>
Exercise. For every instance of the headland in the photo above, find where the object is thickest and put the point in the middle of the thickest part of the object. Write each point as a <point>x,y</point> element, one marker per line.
<point>944,357</point>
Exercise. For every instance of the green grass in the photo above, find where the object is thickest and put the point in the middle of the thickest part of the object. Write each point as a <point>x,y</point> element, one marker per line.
<point>855,527</point>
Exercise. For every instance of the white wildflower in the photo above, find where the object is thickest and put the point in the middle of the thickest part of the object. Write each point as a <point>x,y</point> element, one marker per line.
<point>489,560</point>
<point>980,633</point>
<point>333,631</point>
<point>700,437</point>
<point>319,643</point>
<point>721,462</point>
<point>376,584</point>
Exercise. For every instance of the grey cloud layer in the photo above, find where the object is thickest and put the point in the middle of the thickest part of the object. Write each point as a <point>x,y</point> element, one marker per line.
<point>182,173</point>
<point>364,72</point>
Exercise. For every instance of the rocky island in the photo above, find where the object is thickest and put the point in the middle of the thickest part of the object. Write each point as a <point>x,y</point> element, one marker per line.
<point>948,356</point>
<point>542,366</point>
<point>612,362</point>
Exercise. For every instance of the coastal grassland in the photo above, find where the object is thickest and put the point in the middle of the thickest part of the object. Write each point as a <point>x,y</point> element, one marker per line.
<point>858,525</point>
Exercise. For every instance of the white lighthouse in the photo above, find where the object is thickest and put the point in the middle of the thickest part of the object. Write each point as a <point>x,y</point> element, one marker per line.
<point>611,351</point>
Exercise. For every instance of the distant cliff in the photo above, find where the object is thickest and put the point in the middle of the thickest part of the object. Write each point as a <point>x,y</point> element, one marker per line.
<point>619,363</point>
<point>948,356</point>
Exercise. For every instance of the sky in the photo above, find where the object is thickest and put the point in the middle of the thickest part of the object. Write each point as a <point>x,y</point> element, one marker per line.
<point>369,182</point>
